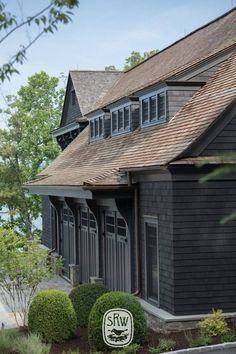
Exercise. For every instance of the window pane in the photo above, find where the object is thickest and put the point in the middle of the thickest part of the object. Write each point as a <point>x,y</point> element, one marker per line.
<point>96,127</point>
<point>92,129</point>
<point>114,121</point>
<point>121,222</point>
<point>84,218</point>
<point>121,231</point>
<point>110,220</point>
<point>126,117</point>
<point>120,119</point>
<point>152,260</point>
<point>153,107</point>
<point>100,126</point>
<point>92,224</point>
<point>161,105</point>
<point>145,110</point>
<point>110,229</point>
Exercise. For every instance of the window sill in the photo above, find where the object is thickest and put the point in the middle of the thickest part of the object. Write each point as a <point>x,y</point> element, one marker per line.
<point>121,132</point>
<point>91,141</point>
<point>155,122</point>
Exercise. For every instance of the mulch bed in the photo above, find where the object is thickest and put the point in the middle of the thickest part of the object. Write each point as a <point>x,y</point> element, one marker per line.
<point>80,342</point>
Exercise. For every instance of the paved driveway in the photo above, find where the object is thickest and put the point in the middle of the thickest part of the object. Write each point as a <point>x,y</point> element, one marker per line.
<point>6,316</point>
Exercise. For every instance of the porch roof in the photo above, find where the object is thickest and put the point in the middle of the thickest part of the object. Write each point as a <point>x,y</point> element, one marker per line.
<point>100,163</point>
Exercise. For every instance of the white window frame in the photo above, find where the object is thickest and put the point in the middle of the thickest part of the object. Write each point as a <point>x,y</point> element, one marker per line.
<point>158,119</point>
<point>93,119</point>
<point>116,109</point>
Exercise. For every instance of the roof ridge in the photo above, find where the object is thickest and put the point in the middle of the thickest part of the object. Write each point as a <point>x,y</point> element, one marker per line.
<point>182,38</point>
<point>97,71</point>
<point>170,74</point>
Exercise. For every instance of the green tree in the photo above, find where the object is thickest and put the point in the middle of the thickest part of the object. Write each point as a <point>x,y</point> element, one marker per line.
<point>24,264</point>
<point>110,68</point>
<point>136,58</point>
<point>27,146</point>
<point>46,20</point>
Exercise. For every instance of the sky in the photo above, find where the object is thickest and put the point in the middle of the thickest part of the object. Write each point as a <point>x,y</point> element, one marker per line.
<point>104,32</point>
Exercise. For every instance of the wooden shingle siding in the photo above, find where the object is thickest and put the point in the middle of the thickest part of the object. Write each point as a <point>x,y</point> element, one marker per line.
<point>206,74</point>
<point>155,200</point>
<point>224,142</point>
<point>71,111</point>
<point>46,219</point>
<point>204,250</point>
<point>176,99</point>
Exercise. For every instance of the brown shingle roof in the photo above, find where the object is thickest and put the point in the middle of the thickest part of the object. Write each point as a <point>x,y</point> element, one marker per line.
<point>99,163</point>
<point>91,86</point>
<point>190,50</point>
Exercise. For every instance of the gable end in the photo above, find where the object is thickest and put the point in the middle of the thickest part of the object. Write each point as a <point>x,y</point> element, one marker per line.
<point>71,109</point>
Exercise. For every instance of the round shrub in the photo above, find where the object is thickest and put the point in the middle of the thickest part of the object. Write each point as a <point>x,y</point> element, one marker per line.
<point>107,302</point>
<point>52,316</point>
<point>83,297</point>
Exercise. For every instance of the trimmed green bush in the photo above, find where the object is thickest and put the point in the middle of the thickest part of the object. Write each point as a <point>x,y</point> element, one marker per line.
<point>83,298</point>
<point>52,316</point>
<point>107,302</point>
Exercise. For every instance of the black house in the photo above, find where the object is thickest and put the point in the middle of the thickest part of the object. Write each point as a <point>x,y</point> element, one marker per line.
<point>122,203</point>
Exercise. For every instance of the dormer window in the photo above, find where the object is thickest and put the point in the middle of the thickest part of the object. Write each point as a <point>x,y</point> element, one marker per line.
<point>96,128</point>
<point>153,108</point>
<point>120,120</point>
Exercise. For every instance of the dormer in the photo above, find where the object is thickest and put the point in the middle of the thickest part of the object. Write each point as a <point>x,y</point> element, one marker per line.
<point>118,118</point>
<point>161,102</point>
<point>124,116</point>
<point>153,107</point>
<point>96,126</point>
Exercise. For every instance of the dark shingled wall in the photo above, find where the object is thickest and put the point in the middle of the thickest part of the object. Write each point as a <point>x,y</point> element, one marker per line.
<point>224,142</point>
<point>204,250</point>
<point>156,200</point>
<point>71,111</point>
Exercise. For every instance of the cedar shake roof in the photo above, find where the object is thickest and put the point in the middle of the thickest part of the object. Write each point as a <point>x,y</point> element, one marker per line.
<point>91,86</point>
<point>178,57</point>
<point>99,163</point>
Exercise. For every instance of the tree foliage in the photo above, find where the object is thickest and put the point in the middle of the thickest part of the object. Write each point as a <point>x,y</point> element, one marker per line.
<point>110,68</point>
<point>134,59</point>
<point>27,146</point>
<point>46,20</point>
<point>23,265</point>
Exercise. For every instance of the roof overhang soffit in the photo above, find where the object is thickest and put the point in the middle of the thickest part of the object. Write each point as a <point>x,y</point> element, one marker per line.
<point>60,191</point>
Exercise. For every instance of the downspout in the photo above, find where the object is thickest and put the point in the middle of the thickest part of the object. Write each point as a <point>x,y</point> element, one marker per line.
<point>137,236</point>
<point>57,235</point>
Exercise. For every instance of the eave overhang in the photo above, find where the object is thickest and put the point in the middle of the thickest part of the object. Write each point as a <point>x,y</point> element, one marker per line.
<point>60,191</point>
<point>66,129</point>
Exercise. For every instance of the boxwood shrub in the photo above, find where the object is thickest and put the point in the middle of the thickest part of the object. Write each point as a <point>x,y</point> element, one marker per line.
<point>83,298</point>
<point>107,302</point>
<point>52,316</point>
